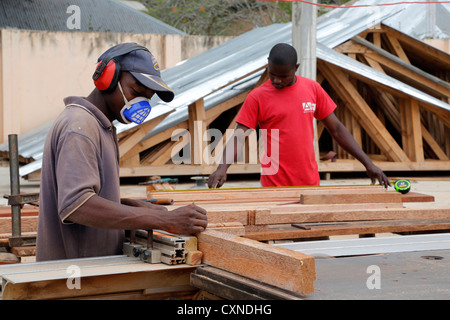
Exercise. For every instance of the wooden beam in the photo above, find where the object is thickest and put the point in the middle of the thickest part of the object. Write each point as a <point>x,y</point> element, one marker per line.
<point>324,166</point>
<point>411,129</point>
<point>97,276</point>
<point>351,197</point>
<point>433,55</point>
<point>264,194</point>
<point>230,286</point>
<point>354,215</point>
<point>163,155</point>
<point>154,140</point>
<point>197,127</point>
<point>313,230</point>
<point>213,113</point>
<point>411,75</point>
<point>185,169</point>
<point>433,144</point>
<point>282,268</point>
<point>361,111</point>
<point>128,142</point>
<point>393,40</point>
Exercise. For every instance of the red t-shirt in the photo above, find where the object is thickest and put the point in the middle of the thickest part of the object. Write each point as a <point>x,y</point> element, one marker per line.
<point>285,117</point>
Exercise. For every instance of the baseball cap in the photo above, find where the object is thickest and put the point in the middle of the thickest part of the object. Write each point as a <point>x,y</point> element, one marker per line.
<point>143,66</point>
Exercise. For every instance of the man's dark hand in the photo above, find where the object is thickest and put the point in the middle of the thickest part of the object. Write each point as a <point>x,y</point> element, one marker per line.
<point>375,174</point>
<point>188,219</point>
<point>217,178</point>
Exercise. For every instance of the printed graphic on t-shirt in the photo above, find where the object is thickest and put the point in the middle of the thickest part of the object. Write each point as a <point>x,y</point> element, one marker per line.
<point>309,107</point>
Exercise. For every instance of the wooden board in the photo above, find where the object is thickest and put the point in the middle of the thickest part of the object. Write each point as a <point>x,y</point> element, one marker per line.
<point>231,286</point>
<point>98,276</point>
<point>355,215</point>
<point>313,230</point>
<point>286,269</point>
<point>351,197</point>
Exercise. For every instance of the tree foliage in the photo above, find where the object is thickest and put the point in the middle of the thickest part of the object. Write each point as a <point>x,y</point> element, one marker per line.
<point>218,17</point>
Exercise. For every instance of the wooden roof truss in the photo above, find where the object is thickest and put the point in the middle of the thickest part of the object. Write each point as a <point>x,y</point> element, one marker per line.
<point>399,132</point>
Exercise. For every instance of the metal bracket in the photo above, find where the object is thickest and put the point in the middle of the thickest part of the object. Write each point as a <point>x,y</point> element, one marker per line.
<point>23,198</point>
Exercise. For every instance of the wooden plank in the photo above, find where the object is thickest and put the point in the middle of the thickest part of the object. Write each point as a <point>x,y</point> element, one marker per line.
<point>433,144</point>
<point>27,210</point>
<point>324,166</point>
<point>230,286</point>
<point>433,54</point>
<point>440,213</point>
<point>24,251</point>
<point>397,47</point>
<point>243,216</point>
<point>197,127</point>
<point>417,197</point>
<point>356,166</point>
<point>28,224</point>
<point>127,143</point>
<point>97,279</point>
<point>213,113</point>
<point>410,75</point>
<point>154,140</point>
<point>411,129</point>
<point>311,230</point>
<point>261,193</point>
<point>286,269</point>
<point>351,197</point>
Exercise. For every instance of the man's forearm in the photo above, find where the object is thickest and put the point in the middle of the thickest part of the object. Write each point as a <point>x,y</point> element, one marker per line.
<point>98,212</point>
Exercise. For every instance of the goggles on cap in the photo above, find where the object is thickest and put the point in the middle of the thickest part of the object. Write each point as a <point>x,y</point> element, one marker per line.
<point>135,110</point>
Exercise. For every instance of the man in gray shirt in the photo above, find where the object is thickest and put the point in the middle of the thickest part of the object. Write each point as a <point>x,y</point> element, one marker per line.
<point>81,213</point>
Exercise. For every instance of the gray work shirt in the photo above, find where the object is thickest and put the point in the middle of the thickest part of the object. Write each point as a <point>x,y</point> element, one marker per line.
<point>81,159</point>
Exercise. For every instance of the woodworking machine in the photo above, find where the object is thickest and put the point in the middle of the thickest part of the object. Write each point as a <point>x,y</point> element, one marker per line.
<point>155,246</point>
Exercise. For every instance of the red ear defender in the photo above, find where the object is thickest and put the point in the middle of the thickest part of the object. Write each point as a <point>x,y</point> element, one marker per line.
<point>106,76</point>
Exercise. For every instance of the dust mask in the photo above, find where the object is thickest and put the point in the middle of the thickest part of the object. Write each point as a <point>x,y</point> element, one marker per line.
<point>135,110</point>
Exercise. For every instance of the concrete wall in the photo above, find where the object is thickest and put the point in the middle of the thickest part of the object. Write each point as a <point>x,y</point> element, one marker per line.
<point>39,68</point>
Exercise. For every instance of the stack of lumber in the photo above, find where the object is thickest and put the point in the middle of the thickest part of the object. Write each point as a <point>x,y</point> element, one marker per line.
<point>240,219</point>
<point>236,247</point>
<point>29,219</point>
<point>307,212</point>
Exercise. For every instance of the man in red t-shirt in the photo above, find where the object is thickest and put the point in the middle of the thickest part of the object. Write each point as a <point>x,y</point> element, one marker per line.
<point>284,108</point>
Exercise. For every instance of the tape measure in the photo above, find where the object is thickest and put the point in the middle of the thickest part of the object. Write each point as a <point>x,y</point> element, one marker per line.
<point>403,186</point>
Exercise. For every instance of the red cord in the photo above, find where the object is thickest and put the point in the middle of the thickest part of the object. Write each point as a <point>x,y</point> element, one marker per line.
<point>363,5</point>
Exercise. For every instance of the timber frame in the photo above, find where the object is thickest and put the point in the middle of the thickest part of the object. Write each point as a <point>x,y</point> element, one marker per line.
<point>397,131</point>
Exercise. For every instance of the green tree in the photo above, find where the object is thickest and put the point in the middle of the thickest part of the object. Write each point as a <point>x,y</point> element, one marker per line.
<point>218,17</point>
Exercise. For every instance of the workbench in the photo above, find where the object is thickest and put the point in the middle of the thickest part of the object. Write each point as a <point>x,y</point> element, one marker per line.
<point>402,275</point>
<point>241,253</point>
<point>109,277</point>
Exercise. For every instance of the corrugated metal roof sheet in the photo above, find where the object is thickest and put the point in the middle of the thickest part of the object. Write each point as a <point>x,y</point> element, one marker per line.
<point>423,21</point>
<point>95,16</point>
<point>206,74</point>
<point>430,20</point>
